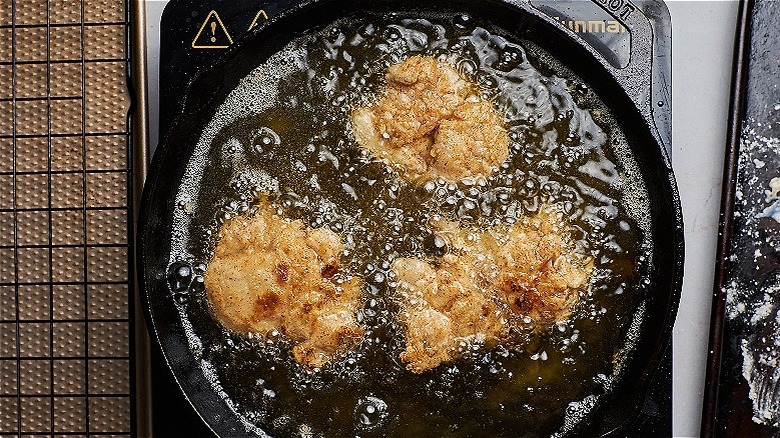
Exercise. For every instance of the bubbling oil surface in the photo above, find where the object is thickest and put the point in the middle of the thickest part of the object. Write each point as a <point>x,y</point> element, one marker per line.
<point>291,139</point>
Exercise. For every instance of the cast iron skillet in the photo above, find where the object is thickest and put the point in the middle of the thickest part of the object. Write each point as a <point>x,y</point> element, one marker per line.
<point>624,91</point>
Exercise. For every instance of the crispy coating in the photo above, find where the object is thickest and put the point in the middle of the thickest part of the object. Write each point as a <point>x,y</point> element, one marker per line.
<point>489,282</point>
<point>443,307</point>
<point>269,273</point>
<point>432,123</point>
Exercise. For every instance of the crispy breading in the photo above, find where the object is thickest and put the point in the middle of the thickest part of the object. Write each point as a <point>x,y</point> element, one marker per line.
<point>488,282</point>
<point>432,123</point>
<point>442,307</point>
<point>270,273</point>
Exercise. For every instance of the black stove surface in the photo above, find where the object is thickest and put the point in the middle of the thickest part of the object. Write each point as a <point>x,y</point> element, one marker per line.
<point>193,33</point>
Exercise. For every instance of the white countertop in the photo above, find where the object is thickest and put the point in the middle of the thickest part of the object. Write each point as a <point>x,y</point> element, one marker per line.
<point>702,48</point>
<point>702,51</point>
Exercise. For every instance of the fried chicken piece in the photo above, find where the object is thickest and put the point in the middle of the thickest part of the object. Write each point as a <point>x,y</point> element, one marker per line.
<point>488,283</point>
<point>432,123</point>
<point>442,308</point>
<point>270,273</point>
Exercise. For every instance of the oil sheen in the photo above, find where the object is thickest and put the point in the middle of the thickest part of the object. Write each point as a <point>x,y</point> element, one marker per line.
<point>284,132</point>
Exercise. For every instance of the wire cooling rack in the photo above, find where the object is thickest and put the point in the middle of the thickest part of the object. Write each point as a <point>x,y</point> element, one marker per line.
<point>65,287</point>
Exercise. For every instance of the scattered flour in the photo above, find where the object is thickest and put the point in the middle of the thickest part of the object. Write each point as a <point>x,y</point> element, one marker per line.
<point>752,297</point>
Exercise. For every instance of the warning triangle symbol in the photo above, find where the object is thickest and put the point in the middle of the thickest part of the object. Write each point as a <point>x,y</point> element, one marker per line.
<point>212,34</point>
<point>259,18</point>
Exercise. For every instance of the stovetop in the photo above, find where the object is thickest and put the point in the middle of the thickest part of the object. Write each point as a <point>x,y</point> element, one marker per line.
<point>193,33</point>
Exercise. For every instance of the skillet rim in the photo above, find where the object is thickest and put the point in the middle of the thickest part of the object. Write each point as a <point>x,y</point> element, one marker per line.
<point>217,422</point>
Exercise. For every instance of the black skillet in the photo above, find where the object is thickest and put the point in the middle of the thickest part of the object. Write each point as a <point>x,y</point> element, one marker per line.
<point>625,91</point>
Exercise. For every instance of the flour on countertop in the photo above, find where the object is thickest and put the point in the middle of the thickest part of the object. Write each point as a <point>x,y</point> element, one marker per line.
<point>753,292</point>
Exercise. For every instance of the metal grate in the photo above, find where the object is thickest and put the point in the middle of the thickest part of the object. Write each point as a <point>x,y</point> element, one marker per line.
<point>65,286</point>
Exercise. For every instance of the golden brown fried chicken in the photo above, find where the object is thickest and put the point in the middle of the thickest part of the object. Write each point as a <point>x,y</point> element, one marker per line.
<point>441,308</point>
<point>269,273</point>
<point>487,283</point>
<point>432,123</point>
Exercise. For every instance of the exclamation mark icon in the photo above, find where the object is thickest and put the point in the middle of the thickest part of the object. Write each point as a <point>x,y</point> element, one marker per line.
<point>212,34</point>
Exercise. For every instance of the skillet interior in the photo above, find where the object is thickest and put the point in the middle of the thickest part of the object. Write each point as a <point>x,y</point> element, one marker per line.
<point>209,89</point>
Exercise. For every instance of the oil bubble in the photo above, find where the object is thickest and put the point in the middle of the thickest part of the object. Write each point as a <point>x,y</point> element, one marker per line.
<point>392,34</point>
<point>264,139</point>
<point>370,413</point>
<point>528,188</point>
<point>436,245</point>
<point>467,67</point>
<point>509,59</point>
<point>179,277</point>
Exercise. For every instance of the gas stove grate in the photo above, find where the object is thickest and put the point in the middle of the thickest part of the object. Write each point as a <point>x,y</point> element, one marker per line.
<point>65,215</point>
